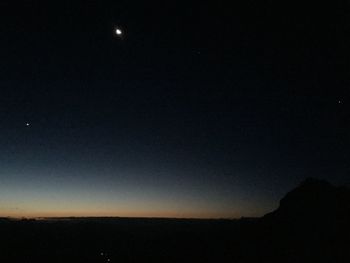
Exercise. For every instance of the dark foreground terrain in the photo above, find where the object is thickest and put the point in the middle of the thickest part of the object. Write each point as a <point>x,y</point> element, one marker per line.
<point>312,224</point>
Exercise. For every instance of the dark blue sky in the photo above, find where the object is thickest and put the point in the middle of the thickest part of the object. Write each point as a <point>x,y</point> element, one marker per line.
<point>197,110</point>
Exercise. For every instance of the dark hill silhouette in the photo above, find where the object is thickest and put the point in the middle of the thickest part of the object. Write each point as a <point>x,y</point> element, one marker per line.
<point>311,224</point>
<point>313,200</point>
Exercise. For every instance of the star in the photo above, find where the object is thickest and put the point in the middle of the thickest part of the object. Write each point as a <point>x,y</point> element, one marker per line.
<point>27,124</point>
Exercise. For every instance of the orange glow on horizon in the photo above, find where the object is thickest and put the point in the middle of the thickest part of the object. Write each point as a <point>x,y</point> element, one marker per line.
<point>145,214</point>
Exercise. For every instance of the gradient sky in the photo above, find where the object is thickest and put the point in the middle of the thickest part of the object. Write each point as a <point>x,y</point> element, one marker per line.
<point>197,110</point>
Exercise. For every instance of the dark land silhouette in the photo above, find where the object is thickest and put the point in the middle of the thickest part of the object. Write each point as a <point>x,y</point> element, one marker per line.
<point>312,224</point>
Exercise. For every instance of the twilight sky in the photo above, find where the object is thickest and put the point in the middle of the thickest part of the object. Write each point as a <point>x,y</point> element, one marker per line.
<point>195,110</point>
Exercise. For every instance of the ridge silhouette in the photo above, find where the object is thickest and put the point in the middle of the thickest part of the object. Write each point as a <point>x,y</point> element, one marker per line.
<point>311,224</point>
<point>313,199</point>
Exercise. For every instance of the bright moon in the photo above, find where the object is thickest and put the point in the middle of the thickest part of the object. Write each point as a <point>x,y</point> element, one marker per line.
<point>118,31</point>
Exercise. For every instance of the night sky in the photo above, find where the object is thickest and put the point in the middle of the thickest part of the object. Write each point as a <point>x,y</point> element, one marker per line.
<point>195,110</point>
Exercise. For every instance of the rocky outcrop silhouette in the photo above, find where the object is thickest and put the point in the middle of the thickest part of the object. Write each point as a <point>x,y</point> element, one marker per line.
<point>314,201</point>
<point>311,224</point>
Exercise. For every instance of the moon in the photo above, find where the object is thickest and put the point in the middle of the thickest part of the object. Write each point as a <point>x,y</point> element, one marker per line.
<point>118,31</point>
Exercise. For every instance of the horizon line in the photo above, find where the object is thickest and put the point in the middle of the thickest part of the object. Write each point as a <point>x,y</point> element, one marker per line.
<point>120,217</point>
